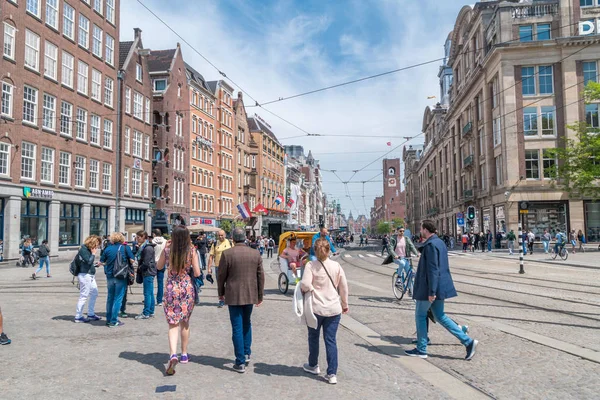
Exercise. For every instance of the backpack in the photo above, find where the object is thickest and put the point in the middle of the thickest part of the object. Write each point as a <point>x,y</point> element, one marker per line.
<point>271,243</point>
<point>120,266</point>
<point>74,265</point>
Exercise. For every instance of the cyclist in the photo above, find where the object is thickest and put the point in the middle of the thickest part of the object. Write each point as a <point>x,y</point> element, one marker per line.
<point>401,248</point>
<point>323,233</point>
<point>560,241</point>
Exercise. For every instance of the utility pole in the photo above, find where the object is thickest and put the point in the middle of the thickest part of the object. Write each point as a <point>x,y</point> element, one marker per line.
<point>521,244</point>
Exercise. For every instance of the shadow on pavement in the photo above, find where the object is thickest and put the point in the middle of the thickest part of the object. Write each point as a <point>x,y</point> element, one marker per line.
<point>281,370</point>
<point>392,351</point>
<point>71,318</point>
<point>215,362</point>
<point>156,360</point>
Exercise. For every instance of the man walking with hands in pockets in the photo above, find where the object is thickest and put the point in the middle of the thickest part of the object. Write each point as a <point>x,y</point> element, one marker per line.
<point>433,285</point>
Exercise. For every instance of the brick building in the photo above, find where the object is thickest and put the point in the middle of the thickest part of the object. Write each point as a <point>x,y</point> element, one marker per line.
<point>394,199</point>
<point>171,138</point>
<point>59,122</point>
<point>246,150</point>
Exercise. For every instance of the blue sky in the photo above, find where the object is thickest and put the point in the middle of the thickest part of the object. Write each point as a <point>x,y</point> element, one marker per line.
<point>275,49</point>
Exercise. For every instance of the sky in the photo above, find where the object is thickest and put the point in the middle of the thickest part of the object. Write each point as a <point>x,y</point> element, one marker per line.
<point>273,49</point>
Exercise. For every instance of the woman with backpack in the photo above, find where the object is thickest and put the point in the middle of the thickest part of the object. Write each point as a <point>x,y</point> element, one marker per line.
<point>581,240</point>
<point>270,247</point>
<point>44,253</point>
<point>88,289</point>
<point>147,265</point>
<point>179,258</point>
<point>116,257</point>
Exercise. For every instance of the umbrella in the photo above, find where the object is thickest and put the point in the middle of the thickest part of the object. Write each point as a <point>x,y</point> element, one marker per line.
<point>202,228</point>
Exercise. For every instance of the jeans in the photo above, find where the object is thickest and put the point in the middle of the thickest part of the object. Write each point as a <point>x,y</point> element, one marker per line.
<point>202,260</point>
<point>148,295</point>
<point>546,246</point>
<point>489,245</point>
<point>511,246</point>
<point>116,291</point>
<point>557,245</point>
<point>437,308</point>
<point>330,326</point>
<point>524,248</point>
<point>43,260</point>
<point>269,252</point>
<point>384,248</point>
<point>404,264</point>
<point>160,284</point>
<point>261,250</point>
<point>241,331</point>
<point>88,291</point>
<point>124,302</point>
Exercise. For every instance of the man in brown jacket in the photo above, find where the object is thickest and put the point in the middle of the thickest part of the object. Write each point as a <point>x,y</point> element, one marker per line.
<point>241,282</point>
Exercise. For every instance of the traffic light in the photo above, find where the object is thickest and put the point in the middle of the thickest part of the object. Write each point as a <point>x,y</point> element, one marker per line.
<point>471,213</point>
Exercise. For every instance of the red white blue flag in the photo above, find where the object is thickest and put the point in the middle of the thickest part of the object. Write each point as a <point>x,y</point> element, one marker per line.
<point>244,210</point>
<point>279,199</point>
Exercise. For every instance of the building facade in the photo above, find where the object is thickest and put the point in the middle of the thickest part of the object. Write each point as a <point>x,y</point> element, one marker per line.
<point>59,120</point>
<point>171,138</point>
<point>246,153</point>
<point>518,72</point>
<point>394,199</point>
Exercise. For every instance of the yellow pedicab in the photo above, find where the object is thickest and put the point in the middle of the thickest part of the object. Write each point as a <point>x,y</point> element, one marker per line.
<point>303,244</point>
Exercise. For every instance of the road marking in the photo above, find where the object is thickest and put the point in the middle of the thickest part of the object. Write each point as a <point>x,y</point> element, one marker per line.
<point>444,381</point>
<point>361,256</point>
<point>347,256</point>
<point>371,255</point>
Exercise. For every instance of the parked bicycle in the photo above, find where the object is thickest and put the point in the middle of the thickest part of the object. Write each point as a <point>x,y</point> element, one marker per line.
<point>562,252</point>
<point>405,282</point>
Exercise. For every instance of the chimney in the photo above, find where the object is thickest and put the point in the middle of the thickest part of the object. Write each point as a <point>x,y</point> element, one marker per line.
<point>137,32</point>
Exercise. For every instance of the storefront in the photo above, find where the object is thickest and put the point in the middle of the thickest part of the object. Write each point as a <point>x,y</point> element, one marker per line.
<point>546,215</point>
<point>99,220</point>
<point>500,219</point>
<point>592,221</point>
<point>135,220</point>
<point>202,221</point>
<point>34,220</point>
<point>69,226</point>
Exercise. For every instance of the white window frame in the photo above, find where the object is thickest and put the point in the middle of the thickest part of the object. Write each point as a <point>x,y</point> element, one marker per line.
<point>95,123</point>
<point>51,60</point>
<point>139,72</point>
<point>10,32</point>
<point>126,181</point>
<point>32,50</point>
<point>68,21</point>
<point>94,175</point>
<point>136,182</point>
<point>497,131</point>
<point>543,161</point>
<point>96,93</point>
<point>147,147</point>
<point>147,111</point>
<point>52,13</point>
<point>109,46</point>
<point>64,168</point>
<point>68,65</point>
<point>66,118</point>
<point>47,165</point>
<point>81,123</point>
<point>537,154</point>
<point>80,168</point>
<point>83,32</point>
<point>28,152</point>
<point>107,134</point>
<point>49,112</point>
<point>110,11</point>
<point>33,7</point>
<point>5,159</point>
<point>137,144</point>
<point>128,100</point>
<point>138,106</point>
<point>98,6</point>
<point>498,163</point>
<point>127,146</point>
<point>154,85</point>
<point>97,35</point>
<point>82,77</point>
<point>106,177</point>
<point>7,100</point>
<point>32,102</point>
<point>108,91</point>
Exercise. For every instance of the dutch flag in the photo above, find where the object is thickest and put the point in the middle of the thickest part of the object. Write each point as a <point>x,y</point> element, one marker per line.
<point>244,210</point>
<point>278,199</point>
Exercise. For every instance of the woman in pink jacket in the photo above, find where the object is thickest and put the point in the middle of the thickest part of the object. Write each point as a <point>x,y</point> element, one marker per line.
<point>326,280</point>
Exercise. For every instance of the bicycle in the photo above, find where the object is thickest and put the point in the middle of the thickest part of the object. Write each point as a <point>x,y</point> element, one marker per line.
<point>404,283</point>
<point>562,252</point>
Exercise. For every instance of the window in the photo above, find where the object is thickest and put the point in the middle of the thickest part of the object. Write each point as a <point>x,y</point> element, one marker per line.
<point>98,6</point>
<point>160,85</point>
<point>138,101</point>
<point>179,91</point>
<point>108,129</point>
<point>110,11</point>
<point>64,168</point>
<point>49,112</point>
<point>50,60</point>
<point>97,41</point>
<point>80,171</point>
<point>84,32</point>
<point>82,77</point>
<point>483,177</point>
<point>586,3</point>
<point>545,79</point>
<point>137,144</point>
<point>499,171</point>
<point>530,126</point>
<point>528,80</point>
<point>69,21</point>
<point>52,13</point>
<point>32,50</point>
<point>139,72</point>
<point>147,111</point>
<point>33,7</point>
<point>543,31</point>
<point>591,115</point>
<point>497,132</point>
<point>34,220</point>
<point>548,164</point>
<point>47,174</point>
<point>94,171</point>
<point>548,121</point>
<point>27,160</point>
<point>128,100</point>
<point>69,232</point>
<point>532,164</point>
<point>4,159</point>
<point>96,85</point>
<point>81,124</point>
<point>95,130</point>
<point>590,72</point>
<point>126,181</point>
<point>526,33</point>
<point>108,92</point>
<point>110,50</point>
<point>106,177</point>
<point>9,41</point>
<point>30,96</point>
<point>67,69</point>
<point>66,118</point>
<point>127,139</point>
<point>136,182</point>
<point>7,100</point>
<point>147,147</point>
<point>99,221</point>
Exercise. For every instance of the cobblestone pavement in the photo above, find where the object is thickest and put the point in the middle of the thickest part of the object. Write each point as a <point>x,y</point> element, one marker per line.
<point>53,358</point>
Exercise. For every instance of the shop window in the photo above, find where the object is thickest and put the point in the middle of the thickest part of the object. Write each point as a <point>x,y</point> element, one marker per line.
<point>34,221</point>
<point>69,230</point>
<point>99,221</point>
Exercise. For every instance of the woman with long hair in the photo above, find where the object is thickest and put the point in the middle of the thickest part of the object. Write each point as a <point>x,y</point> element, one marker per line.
<point>88,289</point>
<point>179,257</point>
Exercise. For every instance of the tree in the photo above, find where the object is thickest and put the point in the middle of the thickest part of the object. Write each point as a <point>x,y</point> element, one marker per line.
<point>398,222</point>
<point>383,227</point>
<point>229,226</point>
<point>578,169</point>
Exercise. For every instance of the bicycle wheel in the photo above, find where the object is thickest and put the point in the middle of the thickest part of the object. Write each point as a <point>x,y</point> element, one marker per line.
<point>564,254</point>
<point>397,286</point>
<point>411,283</point>
<point>283,283</point>
<point>553,254</point>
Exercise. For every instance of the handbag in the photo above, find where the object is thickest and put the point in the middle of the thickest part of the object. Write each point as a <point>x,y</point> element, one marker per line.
<point>388,260</point>
<point>139,276</point>
<point>331,280</point>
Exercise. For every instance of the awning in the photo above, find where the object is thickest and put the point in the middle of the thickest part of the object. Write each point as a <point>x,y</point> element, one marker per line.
<point>203,228</point>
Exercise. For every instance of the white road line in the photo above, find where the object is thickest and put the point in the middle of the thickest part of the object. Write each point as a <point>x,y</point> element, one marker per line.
<point>361,256</point>
<point>347,256</point>
<point>371,255</point>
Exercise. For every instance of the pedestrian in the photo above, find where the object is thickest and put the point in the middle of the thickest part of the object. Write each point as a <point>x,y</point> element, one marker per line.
<point>1,250</point>
<point>202,246</point>
<point>216,251</point>
<point>482,241</point>
<point>88,288</point>
<point>117,287</point>
<point>573,240</point>
<point>524,240</point>
<point>530,240</point>
<point>44,254</point>
<point>326,280</point>
<point>465,241</point>
<point>498,240</point>
<point>146,262</point>
<point>511,237</point>
<point>261,245</point>
<point>560,241</point>
<point>489,240</point>
<point>581,240</point>
<point>546,241</point>
<point>270,247</point>
<point>27,253</point>
<point>362,240</point>
<point>3,338</point>
<point>473,241</point>
<point>384,243</point>
<point>323,233</point>
<point>241,286</point>
<point>159,246</point>
<point>433,285</point>
<point>179,259</point>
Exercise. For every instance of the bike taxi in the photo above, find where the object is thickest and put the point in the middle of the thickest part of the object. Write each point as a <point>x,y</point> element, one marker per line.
<point>292,255</point>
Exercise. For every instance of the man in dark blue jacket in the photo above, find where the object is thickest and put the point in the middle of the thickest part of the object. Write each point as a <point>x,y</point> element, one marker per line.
<point>433,285</point>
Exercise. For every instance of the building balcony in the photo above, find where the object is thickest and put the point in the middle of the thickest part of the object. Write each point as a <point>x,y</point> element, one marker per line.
<point>468,194</point>
<point>467,129</point>
<point>468,162</point>
<point>535,10</point>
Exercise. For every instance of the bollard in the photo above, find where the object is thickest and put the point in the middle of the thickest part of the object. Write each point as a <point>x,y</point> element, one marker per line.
<point>521,269</point>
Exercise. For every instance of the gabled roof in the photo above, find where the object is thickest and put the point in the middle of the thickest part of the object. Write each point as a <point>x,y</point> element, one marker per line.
<point>255,124</point>
<point>212,86</point>
<point>124,49</point>
<point>196,77</point>
<point>161,60</point>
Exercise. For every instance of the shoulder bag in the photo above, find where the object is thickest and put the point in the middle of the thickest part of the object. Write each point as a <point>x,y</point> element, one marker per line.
<point>331,280</point>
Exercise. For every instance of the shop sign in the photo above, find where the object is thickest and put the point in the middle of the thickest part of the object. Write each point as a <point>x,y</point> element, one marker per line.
<point>589,27</point>
<point>202,221</point>
<point>37,193</point>
<point>205,142</point>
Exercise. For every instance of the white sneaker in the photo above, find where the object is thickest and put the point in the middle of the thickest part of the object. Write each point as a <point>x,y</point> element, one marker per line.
<point>311,370</point>
<point>332,379</point>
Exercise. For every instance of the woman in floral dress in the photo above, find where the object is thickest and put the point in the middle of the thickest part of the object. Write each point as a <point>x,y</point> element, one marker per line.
<point>179,257</point>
